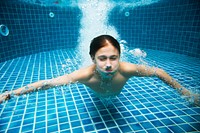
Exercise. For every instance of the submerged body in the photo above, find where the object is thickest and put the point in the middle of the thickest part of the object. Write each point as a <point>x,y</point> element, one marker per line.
<point>106,77</point>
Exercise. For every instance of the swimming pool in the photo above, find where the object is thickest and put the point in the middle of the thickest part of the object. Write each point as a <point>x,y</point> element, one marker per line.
<point>145,104</point>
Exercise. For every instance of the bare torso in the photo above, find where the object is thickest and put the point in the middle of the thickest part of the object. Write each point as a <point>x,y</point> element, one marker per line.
<point>105,88</point>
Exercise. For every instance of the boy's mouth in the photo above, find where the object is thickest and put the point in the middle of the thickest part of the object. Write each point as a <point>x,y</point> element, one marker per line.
<point>108,71</point>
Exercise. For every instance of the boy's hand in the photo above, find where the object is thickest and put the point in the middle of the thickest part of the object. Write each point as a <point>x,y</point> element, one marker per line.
<point>4,96</point>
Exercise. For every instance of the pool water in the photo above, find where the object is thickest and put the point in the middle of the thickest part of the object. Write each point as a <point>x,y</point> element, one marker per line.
<point>145,104</point>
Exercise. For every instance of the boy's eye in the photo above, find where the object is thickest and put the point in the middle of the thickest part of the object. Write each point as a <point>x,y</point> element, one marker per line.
<point>113,58</point>
<point>102,59</point>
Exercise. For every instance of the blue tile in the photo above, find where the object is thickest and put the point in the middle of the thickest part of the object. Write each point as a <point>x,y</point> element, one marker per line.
<point>77,130</point>
<point>5,120</point>
<point>131,120</point>
<point>167,122</point>
<point>75,123</point>
<point>85,115</point>
<point>179,112</point>
<point>196,117</point>
<point>86,121</point>
<point>176,129</point>
<point>107,117</point>
<point>177,120</point>
<point>63,119</point>
<point>97,119</point>
<point>27,128</point>
<point>117,116</point>
<point>41,113</point>
<point>41,130</point>
<point>153,110</point>
<point>74,117</point>
<point>144,111</point>
<point>165,130</point>
<point>160,115</point>
<point>187,128</point>
<point>189,111</point>
<point>140,118</point>
<point>126,114</point>
<point>89,128</point>
<point>171,107</point>
<point>125,129</point>
<point>147,125</point>
<point>150,117</point>
<point>157,123</point>
<point>152,131</point>
<point>100,126</point>
<point>51,122</point>
<point>15,124</point>
<point>136,127</point>
<point>114,130</point>
<point>162,108</point>
<point>64,126</point>
<point>61,114</point>
<point>110,124</point>
<point>196,109</point>
<point>13,130</point>
<point>169,114</point>
<point>51,116</point>
<point>135,112</point>
<point>28,121</point>
<point>196,126</point>
<point>188,119</point>
<point>121,122</point>
<point>53,128</point>
<point>103,131</point>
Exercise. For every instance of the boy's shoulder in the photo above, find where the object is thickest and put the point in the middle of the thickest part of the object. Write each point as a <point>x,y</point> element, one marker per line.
<point>127,68</point>
<point>127,65</point>
<point>85,73</point>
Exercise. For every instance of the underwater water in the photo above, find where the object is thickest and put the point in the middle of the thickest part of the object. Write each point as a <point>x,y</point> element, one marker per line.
<point>145,104</point>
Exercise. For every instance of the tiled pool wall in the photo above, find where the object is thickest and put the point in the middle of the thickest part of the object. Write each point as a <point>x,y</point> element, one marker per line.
<point>168,25</point>
<point>32,30</point>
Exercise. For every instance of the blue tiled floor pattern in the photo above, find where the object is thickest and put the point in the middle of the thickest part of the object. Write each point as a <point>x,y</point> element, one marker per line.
<point>145,104</point>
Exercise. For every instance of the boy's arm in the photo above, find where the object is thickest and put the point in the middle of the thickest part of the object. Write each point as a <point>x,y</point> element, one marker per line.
<point>36,86</point>
<point>142,70</point>
<point>75,76</point>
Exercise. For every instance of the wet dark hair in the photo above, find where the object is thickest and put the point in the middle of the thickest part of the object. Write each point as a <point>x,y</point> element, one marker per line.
<point>101,41</point>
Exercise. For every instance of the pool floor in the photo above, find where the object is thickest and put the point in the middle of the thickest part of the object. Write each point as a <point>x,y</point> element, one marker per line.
<point>145,104</point>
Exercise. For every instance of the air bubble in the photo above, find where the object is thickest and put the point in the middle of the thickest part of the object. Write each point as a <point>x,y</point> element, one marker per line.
<point>51,14</point>
<point>138,53</point>
<point>4,30</point>
<point>127,14</point>
<point>64,65</point>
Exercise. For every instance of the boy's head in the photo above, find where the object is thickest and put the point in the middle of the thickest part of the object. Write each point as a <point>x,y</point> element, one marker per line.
<point>105,53</point>
<point>101,41</point>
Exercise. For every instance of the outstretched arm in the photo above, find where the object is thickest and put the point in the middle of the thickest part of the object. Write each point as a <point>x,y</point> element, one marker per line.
<point>40,85</point>
<point>160,73</point>
<point>143,70</point>
<point>44,84</point>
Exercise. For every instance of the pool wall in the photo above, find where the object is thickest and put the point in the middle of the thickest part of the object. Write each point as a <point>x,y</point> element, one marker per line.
<point>32,30</point>
<point>168,25</point>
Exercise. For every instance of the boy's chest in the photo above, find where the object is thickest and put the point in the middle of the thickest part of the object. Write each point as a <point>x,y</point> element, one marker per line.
<point>114,85</point>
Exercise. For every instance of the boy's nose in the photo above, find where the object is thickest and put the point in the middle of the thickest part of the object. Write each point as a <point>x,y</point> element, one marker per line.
<point>108,67</point>
<point>108,63</point>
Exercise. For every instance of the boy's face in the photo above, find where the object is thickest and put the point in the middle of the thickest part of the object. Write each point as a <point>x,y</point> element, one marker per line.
<point>107,59</point>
